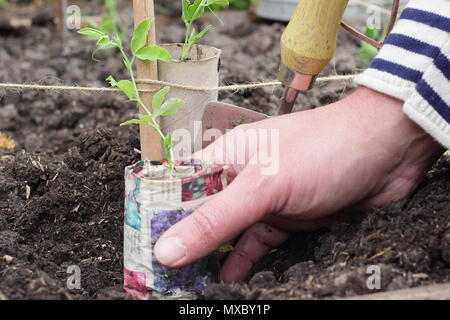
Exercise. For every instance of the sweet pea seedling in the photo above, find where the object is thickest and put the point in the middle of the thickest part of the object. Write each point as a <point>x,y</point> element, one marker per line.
<point>111,22</point>
<point>191,12</point>
<point>160,105</point>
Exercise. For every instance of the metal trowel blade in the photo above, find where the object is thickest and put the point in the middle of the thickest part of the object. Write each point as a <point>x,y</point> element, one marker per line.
<point>222,116</point>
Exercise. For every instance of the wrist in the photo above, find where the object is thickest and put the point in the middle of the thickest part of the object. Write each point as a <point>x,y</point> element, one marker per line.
<point>386,125</point>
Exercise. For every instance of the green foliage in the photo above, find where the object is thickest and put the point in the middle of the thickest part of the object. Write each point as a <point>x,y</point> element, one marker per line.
<point>367,52</point>
<point>161,106</point>
<point>192,11</point>
<point>237,4</point>
<point>153,53</point>
<point>140,35</point>
<point>168,143</point>
<point>240,4</point>
<point>111,22</point>
<point>2,3</point>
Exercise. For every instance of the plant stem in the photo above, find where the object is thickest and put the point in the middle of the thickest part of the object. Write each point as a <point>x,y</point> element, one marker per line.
<point>188,46</point>
<point>129,66</point>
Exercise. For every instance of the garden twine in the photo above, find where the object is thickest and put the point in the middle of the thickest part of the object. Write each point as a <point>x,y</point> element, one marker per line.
<point>159,84</point>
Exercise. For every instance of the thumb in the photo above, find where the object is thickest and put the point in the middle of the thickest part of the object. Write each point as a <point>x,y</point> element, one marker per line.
<point>239,206</point>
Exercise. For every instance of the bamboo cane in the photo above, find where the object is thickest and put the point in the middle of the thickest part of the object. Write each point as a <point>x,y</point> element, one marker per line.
<point>61,7</point>
<point>151,144</point>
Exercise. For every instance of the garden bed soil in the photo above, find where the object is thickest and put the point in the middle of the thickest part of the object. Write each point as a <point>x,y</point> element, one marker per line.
<point>62,186</point>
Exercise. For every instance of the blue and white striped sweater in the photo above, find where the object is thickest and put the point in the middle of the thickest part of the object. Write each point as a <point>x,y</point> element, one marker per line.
<point>414,66</point>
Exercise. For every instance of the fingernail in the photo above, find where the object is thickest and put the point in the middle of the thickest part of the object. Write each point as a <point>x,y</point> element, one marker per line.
<point>170,251</point>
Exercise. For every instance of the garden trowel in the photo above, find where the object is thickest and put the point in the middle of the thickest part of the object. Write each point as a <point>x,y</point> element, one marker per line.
<point>222,116</point>
<point>307,46</point>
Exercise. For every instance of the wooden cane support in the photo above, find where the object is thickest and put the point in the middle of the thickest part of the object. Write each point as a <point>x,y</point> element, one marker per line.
<point>151,144</point>
<point>61,7</point>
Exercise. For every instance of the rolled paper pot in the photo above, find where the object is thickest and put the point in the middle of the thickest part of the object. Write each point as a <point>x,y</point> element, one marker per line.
<point>154,202</point>
<point>201,69</point>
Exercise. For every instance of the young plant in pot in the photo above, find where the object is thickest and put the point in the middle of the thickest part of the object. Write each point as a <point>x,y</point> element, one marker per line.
<point>193,65</point>
<point>158,194</point>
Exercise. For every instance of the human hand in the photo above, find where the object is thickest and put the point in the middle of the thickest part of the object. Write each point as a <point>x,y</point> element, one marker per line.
<point>357,153</point>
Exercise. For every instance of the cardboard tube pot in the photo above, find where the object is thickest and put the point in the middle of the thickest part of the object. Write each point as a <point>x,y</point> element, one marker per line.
<point>153,203</point>
<point>200,70</point>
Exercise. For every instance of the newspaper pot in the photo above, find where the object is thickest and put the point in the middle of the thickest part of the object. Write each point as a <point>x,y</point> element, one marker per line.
<point>154,202</point>
<point>201,69</point>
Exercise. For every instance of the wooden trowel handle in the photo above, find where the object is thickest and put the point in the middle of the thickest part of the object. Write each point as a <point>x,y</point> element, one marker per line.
<point>309,41</point>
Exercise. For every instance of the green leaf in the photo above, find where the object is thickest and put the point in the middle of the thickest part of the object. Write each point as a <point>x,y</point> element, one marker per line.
<point>92,33</point>
<point>143,119</point>
<point>111,5</point>
<point>220,3</point>
<point>134,121</point>
<point>154,53</point>
<point>118,41</point>
<point>159,98</point>
<point>204,31</point>
<point>140,35</point>
<point>104,41</point>
<point>240,4</point>
<point>168,141</point>
<point>127,87</point>
<point>185,10</point>
<point>107,25</point>
<point>112,81</point>
<point>192,12</point>
<point>148,118</point>
<point>168,145</point>
<point>124,85</point>
<point>198,37</point>
<point>170,107</point>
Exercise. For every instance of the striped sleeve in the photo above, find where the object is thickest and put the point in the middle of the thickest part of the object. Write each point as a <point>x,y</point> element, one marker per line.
<point>414,66</point>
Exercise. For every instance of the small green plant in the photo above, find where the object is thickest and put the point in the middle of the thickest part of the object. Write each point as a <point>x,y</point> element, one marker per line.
<point>161,106</point>
<point>111,22</point>
<point>192,11</point>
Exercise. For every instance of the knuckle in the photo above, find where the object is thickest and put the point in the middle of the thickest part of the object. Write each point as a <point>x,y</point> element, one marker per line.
<point>267,235</point>
<point>243,255</point>
<point>260,185</point>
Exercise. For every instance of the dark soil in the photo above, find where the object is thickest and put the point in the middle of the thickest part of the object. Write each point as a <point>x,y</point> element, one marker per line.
<point>409,241</point>
<point>61,187</point>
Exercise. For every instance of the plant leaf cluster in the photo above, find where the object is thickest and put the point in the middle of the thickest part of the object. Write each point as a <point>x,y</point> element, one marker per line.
<point>192,11</point>
<point>111,22</point>
<point>161,106</point>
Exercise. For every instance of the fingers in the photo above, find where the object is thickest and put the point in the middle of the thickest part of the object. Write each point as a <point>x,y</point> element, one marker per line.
<point>225,216</point>
<point>234,149</point>
<point>292,225</point>
<point>215,153</point>
<point>252,247</point>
